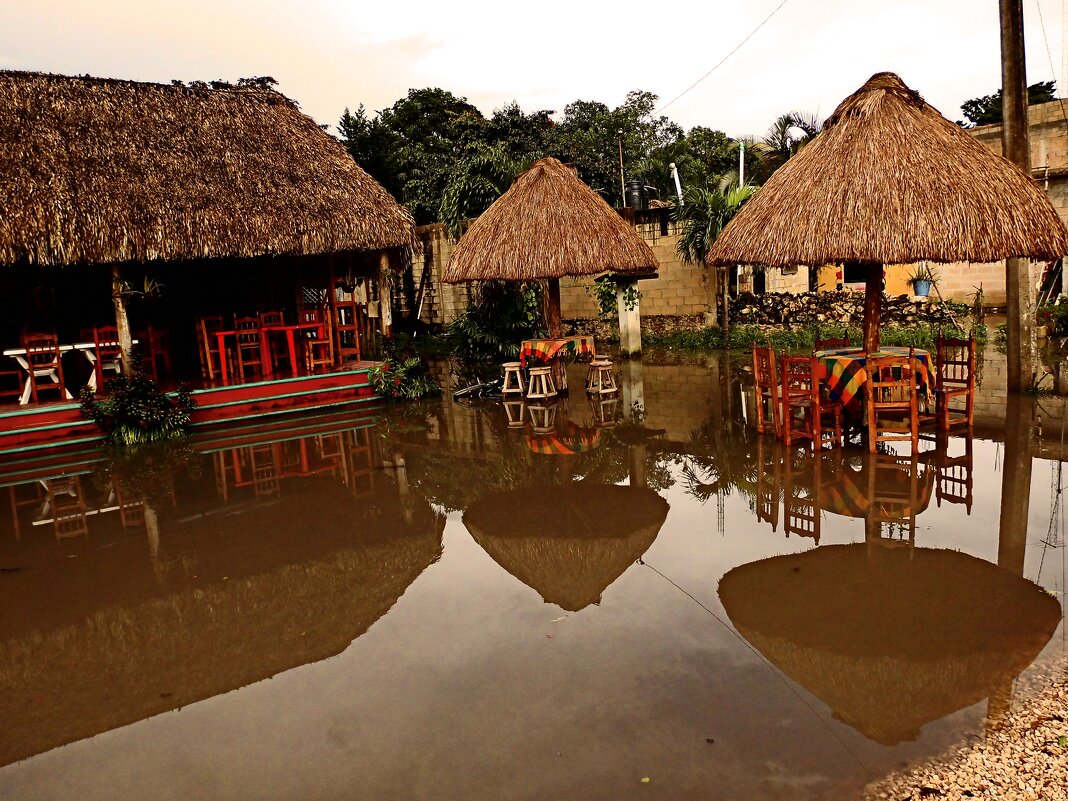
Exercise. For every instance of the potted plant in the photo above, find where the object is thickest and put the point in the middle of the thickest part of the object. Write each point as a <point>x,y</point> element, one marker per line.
<point>922,279</point>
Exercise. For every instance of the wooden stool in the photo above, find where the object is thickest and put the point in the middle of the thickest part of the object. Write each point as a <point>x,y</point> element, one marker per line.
<point>605,411</point>
<point>541,383</point>
<point>542,419</point>
<point>513,378</point>
<point>599,379</point>
<point>513,411</point>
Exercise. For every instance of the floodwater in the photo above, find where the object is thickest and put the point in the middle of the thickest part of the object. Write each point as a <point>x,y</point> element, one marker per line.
<point>423,602</point>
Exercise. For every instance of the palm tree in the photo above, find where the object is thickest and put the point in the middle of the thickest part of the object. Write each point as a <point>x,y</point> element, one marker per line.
<point>788,134</point>
<point>474,183</point>
<point>702,216</point>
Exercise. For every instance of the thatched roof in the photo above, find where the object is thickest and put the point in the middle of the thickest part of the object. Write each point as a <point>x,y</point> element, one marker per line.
<point>549,224</point>
<point>890,180</point>
<point>890,639</point>
<point>567,543</point>
<point>103,641</point>
<point>95,170</point>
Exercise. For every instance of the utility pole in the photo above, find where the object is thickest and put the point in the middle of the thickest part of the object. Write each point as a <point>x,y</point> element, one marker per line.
<point>1020,306</point>
<point>622,180</point>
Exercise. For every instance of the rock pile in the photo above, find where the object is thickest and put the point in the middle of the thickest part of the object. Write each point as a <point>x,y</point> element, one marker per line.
<point>837,308</point>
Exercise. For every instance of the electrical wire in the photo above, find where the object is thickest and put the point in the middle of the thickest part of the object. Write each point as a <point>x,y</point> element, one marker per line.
<point>724,59</point>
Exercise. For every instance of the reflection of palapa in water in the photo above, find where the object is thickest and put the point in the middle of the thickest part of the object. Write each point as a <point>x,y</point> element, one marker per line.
<point>569,543</point>
<point>890,639</point>
<point>282,585</point>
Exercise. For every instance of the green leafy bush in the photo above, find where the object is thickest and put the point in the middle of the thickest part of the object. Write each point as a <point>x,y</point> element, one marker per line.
<point>497,321</point>
<point>742,337</point>
<point>402,375</point>
<point>134,410</point>
<point>1055,316</point>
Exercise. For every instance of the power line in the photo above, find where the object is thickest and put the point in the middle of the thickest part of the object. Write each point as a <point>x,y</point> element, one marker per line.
<point>724,59</point>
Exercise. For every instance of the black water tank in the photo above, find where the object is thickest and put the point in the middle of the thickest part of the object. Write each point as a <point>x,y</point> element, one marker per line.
<point>635,195</point>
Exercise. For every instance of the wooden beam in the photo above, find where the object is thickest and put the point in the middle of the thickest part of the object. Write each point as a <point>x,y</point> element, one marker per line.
<point>552,309</point>
<point>873,301</point>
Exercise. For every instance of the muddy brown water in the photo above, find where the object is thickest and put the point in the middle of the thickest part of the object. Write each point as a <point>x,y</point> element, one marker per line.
<point>423,602</point>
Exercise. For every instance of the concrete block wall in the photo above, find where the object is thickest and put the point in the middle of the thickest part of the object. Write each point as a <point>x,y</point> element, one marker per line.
<point>793,280</point>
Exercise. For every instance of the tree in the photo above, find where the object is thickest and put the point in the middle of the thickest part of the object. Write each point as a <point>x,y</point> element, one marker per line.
<point>787,135</point>
<point>986,110</point>
<point>474,182</point>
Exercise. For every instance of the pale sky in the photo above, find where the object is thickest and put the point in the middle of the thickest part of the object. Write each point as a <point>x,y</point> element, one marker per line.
<point>329,54</point>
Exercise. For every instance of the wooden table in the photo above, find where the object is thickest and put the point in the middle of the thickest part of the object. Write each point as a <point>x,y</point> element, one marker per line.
<point>844,371</point>
<point>85,348</point>
<point>265,345</point>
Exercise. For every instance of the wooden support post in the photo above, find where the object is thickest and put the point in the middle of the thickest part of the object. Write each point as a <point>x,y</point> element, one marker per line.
<point>1019,292</point>
<point>122,322</point>
<point>632,388</point>
<point>630,322</point>
<point>1016,482</point>
<point>552,309</point>
<point>873,301</point>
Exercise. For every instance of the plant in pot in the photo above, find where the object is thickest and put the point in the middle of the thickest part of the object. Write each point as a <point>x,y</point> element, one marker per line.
<point>922,279</point>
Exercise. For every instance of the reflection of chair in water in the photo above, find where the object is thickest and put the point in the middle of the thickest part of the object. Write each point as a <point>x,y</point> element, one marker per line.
<point>952,474</point>
<point>38,496</point>
<point>361,461</point>
<point>265,470</point>
<point>802,480</point>
<point>67,507</point>
<point>768,483</point>
<point>894,500</point>
<point>131,512</point>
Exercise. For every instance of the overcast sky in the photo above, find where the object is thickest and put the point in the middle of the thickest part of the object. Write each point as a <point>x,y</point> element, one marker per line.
<point>329,54</point>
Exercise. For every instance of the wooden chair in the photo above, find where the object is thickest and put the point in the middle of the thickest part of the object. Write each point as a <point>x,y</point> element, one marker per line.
<point>210,357</point>
<point>805,415</point>
<point>955,359</point>
<point>318,350</point>
<point>828,344</point>
<point>767,390</point>
<point>802,494</point>
<point>769,481</point>
<point>249,345</point>
<point>890,396</point>
<point>893,500</point>
<point>67,505</point>
<point>11,385</point>
<point>44,360</point>
<point>155,347</point>
<point>107,352</point>
<point>347,330</point>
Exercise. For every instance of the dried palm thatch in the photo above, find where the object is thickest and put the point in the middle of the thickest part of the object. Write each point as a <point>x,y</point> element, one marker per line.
<point>890,639</point>
<point>889,180</point>
<point>95,171</point>
<point>549,224</point>
<point>243,597</point>
<point>567,543</point>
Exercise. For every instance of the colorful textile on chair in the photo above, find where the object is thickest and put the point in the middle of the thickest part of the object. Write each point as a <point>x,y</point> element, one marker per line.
<point>544,350</point>
<point>844,372</point>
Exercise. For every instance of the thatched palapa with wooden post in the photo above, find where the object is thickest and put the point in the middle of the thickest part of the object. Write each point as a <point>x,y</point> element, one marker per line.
<point>102,171</point>
<point>547,226</point>
<point>889,180</point>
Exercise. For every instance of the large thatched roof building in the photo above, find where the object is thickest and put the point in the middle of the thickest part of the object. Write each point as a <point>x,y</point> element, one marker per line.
<point>98,170</point>
<point>889,180</point>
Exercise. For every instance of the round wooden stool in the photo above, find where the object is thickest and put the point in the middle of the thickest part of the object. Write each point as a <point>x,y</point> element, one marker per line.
<point>600,380</point>
<point>513,378</point>
<point>542,419</point>
<point>540,384</point>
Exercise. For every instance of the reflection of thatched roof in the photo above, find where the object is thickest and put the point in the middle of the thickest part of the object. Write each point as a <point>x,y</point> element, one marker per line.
<point>548,225</point>
<point>568,543</point>
<point>238,598</point>
<point>890,180</point>
<point>890,639</point>
<point>99,170</point>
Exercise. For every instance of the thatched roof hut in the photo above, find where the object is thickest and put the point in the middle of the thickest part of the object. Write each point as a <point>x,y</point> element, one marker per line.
<point>549,224</point>
<point>890,639</point>
<point>889,180</point>
<point>241,597</point>
<point>567,543</point>
<point>103,171</point>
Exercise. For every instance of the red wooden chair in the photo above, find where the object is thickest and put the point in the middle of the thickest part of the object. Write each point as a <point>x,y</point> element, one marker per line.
<point>805,414</point>
<point>44,359</point>
<point>768,411</point>
<point>955,359</point>
<point>106,351</point>
<point>155,347</point>
<point>249,345</point>
<point>210,357</point>
<point>892,405</point>
<point>828,344</point>
<point>318,347</point>
<point>272,318</point>
<point>11,385</point>
<point>346,322</point>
